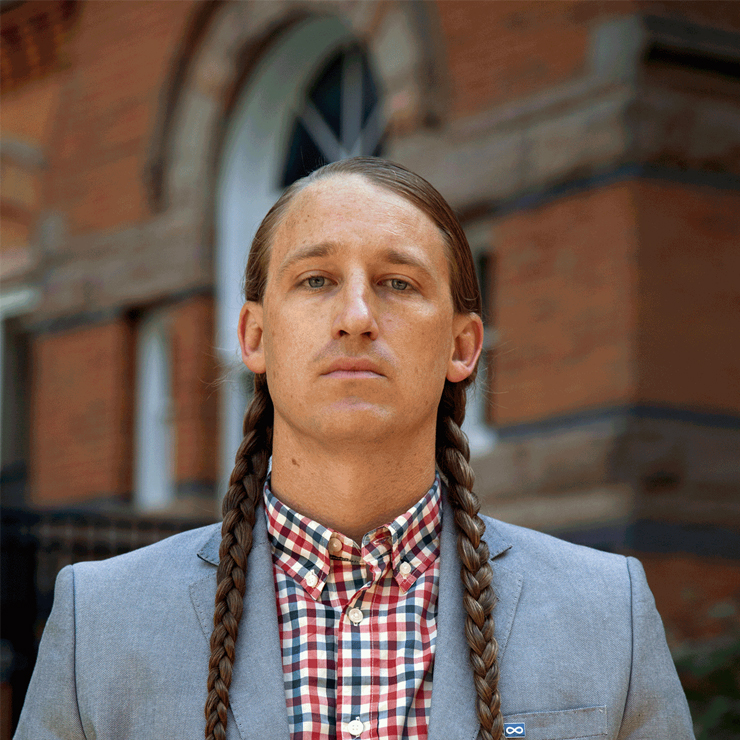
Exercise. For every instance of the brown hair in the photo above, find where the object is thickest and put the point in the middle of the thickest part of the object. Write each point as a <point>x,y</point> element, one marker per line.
<point>452,454</point>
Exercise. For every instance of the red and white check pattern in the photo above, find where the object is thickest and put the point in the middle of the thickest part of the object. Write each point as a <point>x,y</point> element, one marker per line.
<point>351,673</point>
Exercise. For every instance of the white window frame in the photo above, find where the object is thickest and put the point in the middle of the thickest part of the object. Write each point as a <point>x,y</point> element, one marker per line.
<point>252,162</point>
<point>481,436</point>
<point>154,439</point>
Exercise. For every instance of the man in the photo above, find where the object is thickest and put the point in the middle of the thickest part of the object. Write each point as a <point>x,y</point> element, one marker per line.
<point>366,597</point>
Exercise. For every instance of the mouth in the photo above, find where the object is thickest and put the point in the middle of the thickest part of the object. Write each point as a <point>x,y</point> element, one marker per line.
<point>355,374</point>
<point>353,368</point>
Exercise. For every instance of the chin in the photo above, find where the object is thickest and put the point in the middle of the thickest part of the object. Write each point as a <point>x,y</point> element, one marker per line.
<point>357,420</point>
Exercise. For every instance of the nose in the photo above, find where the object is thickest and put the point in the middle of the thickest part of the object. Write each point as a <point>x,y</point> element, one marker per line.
<point>355,315</point>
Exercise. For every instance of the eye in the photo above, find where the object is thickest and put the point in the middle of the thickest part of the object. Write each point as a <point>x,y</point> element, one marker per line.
<point>315,281</point>
<point>397,284</point>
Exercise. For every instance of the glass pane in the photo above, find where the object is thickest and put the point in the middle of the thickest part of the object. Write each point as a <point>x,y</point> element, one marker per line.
<point>325,93</point>
<point>369,91</point>
<point>303,155</point>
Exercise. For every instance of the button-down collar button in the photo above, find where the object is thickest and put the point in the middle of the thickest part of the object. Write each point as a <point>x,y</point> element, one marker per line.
<point>355,727</point>
<point>404,569</point>
<point>335,545</point>
<point>356,616</point>
<point>311,579</point>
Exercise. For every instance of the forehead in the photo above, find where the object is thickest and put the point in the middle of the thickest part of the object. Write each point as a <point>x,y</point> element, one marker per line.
<point>347,211</point>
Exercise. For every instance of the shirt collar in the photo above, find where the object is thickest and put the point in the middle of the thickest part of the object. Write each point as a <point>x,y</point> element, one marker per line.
<point>300,545</point>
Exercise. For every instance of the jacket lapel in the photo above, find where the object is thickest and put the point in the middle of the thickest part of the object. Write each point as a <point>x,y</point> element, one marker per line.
<point>258,668</point>
<point>453,714</point>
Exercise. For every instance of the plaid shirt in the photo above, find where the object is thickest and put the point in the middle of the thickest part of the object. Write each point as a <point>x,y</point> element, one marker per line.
<point>358,623</point>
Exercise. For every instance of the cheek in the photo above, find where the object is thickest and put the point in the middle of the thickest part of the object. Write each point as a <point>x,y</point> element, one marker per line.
<point>427,345</point>
<point>287,344</point>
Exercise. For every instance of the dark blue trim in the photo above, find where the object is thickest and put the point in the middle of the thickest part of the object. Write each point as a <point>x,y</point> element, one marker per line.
<point>203,489</point>
<point>599,179</point>
<point>665,537</point>
<point>608,537</point>
<point>534,199</point>
<point>80,320</point>
<point>84,319</point>
<point>715,420</point>
<point>562,422</point>
<point>650,536</point>
<point>718,180</point>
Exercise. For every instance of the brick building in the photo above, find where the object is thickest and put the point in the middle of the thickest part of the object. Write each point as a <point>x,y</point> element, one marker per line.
<point>592,150</point>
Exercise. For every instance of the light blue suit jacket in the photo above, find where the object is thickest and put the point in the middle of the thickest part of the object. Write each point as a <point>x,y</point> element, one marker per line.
<point>581,647</point>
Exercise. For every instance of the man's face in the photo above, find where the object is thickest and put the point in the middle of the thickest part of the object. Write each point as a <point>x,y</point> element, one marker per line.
<point>357,330</point>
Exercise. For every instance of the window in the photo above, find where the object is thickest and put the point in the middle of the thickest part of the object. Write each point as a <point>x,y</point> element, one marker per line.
<point>478,417</point>
<point>14,411</point>
<point>312,100</point>
<point>14,398</point>
<point>339,116</point>
<point>154,441</point>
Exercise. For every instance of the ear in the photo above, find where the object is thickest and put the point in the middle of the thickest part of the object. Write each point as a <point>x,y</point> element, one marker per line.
<point>466,348</point>
<point>250,337</point>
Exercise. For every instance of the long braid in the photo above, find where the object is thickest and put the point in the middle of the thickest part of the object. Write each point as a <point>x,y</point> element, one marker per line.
<point>453,458</point>
<point>247,479</point>
<point>240,503</point>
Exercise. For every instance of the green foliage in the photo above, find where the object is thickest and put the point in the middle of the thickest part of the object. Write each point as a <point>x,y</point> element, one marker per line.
<point>711,679</point>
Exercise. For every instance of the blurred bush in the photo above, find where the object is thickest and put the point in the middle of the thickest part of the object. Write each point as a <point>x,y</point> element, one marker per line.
<point>711,679</point>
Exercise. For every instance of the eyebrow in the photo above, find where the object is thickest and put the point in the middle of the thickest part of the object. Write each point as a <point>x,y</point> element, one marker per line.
<point>310,251</point>
<point>394,257</point>
<point>326,249</point>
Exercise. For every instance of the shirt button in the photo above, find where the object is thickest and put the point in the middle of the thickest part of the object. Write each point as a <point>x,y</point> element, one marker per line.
<point>311,579</point>
<point>335,545</point>
<point>356,616</point>
<point>404,569</point>
<point>355,727</point>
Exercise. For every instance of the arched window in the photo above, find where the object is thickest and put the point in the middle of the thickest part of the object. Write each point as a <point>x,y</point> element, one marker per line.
<point>313,99</point>
<point>339,116</point>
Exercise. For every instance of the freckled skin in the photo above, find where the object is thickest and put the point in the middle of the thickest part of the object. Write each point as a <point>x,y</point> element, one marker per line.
<point>361,434</point>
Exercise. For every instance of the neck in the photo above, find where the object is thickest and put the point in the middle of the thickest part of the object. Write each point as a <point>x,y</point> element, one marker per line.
<point>350,491</point>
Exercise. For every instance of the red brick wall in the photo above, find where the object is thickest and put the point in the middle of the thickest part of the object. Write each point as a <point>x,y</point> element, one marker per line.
<point>27,117</point>
<point>697,597</point>
<point>83,406</point>
<point>565,306</point>
<point>623,294</point>
<point>81,414</point>
<point>689,297</point>
<point>508,49</point>
<point>119,57</point>
<point>195,390</point>
<point>504,50</point>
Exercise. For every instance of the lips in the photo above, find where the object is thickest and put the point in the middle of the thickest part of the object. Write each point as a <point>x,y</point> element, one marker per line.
<point>353,367</point>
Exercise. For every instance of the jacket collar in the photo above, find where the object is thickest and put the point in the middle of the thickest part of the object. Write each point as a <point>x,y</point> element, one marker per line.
<point>257,697</point>
<point>209,551</point>
<point>453,714</point>
<point>258,667</point>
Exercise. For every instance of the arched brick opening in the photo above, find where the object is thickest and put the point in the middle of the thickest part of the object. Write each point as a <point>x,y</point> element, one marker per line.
<point>222,55</point>
<point>224,43</point>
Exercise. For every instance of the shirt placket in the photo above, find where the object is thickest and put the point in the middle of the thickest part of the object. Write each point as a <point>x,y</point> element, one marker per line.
<point>358,667</point>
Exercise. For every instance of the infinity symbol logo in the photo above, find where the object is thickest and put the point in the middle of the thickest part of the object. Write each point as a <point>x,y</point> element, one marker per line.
<point>514,729</point>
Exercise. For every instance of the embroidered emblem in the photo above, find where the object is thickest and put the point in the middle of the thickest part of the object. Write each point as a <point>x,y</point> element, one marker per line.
<point>514,729</point>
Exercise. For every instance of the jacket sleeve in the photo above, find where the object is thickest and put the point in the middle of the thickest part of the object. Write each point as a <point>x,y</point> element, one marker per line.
<point>656,707</point>
<point>50,711</point>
